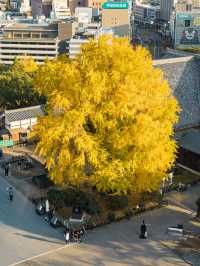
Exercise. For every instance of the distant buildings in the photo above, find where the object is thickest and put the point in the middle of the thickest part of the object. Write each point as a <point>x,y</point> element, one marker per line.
<point>166,8</point>
<point>38,41</point>
<point>116,15</point>
<point>43,29</point>
<point>95,3</point>
<point>185,24</point>
<point>3,4</point>
<point>60,9</point>
<point>146,12</point>
<point>13,4</point>
<point>83,15</point>
<point>25,7</point>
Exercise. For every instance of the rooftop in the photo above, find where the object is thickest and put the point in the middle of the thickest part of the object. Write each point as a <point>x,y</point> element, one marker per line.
<point>24,113</point>
<point>183,75</point>
<point>190,141</point>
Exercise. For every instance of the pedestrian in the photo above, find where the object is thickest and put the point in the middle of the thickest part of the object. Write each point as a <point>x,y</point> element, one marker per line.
<point>67,236</point>
<point>180,186</point>
<point>6,170</point>
<point>137,208</point>
<point>10,193</point>
<point>47,211</point>
<point>143,230</point>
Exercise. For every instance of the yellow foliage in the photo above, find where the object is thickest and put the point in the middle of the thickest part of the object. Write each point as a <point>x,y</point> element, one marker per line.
<point>27,64</point>
<point>110,118</point>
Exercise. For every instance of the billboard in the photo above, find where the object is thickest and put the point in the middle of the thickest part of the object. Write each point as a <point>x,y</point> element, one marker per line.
<point>187,30</point>
<point>115,5</point>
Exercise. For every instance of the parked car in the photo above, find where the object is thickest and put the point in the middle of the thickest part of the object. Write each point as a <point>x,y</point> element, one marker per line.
<point>54,222</point>
<point>40,209</point>
<point>42,181</point>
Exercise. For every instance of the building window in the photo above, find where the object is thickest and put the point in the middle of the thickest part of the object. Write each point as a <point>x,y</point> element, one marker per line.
<point>188,7</point>
<point>26,35</point>
<point>35,35</point>
<point>187,23</point>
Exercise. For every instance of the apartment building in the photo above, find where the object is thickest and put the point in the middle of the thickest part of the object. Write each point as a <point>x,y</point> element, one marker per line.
<point>38,41</point>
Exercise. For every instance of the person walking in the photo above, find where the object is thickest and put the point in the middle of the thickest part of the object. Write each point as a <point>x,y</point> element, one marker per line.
<point>6,170</point>
<point>10,193</point>
<point>143,230</point>
<point>67,236</point>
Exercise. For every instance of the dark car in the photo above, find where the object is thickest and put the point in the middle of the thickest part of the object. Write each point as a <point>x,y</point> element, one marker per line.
<point>42,181</point>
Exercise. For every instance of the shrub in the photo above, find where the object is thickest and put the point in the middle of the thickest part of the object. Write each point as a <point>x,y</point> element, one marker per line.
<point>70,195</point>
<point>129,213</point>
<point>87,202</point>
<point>117,202</point>
<point>111,217</point>
<point>56,197</point>
<point>92,207</point>
<point>91,224</point>
<point>82,200</point>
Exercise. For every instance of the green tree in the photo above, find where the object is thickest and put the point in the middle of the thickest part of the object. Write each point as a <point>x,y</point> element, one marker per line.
<point>110,118</point>
<point>16,85</point>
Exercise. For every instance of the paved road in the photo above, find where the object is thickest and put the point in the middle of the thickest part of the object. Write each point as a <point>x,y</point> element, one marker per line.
<point>23,235</point>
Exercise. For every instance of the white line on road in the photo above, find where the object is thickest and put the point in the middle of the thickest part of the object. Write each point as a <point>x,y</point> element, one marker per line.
<point>41,255</point>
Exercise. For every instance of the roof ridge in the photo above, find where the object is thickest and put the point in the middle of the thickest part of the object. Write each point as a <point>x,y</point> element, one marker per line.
<point>172,60</point>
<point>23,109</point>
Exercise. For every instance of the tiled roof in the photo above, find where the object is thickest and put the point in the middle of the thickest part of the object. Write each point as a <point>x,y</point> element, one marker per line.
<point>183,75</point>
<point>190,140</point>
<point>24,113</point>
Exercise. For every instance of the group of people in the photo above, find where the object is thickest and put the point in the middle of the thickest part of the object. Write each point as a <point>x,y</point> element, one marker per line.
<point>6,168</point>
<point>73,235</point>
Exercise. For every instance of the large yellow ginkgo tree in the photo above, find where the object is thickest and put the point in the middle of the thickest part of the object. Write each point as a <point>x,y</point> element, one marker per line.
<point>110,117</point>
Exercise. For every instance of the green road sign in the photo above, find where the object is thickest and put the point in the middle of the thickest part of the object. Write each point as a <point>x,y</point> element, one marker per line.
<point>115,5</point>
<point>6,143</point>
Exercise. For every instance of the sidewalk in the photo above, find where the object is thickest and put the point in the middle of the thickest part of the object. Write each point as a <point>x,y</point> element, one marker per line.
<point>118,244</point>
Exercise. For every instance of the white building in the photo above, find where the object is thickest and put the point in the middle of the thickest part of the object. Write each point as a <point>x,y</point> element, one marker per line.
<point>74,46</point>
<point>20,121</point>
<point>3,4</point>
<point>20,40</point>
<point>13,4</point>
<point>26,7</point>
<point>83,15</point>
<point>60,9</point>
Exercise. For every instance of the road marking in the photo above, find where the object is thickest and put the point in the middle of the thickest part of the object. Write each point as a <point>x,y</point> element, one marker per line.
<point>42,254</point>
